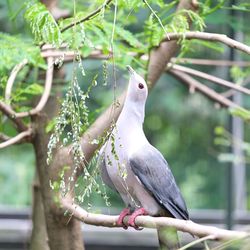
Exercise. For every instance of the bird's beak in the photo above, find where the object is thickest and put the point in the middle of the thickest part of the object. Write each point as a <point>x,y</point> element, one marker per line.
<point>130,69</point>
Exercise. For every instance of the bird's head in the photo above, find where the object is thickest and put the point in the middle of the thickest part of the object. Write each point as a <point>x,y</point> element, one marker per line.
<point>137,88</point>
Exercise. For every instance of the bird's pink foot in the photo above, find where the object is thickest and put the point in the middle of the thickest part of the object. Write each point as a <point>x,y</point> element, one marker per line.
<point>123,214</point>
<point>138,212</point>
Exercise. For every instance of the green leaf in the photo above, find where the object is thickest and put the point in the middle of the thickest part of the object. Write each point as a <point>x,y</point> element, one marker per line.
<point>241,112</point>
<point>42,24</point>
<point>15,49</point>
<point>23,94</point>
<point>219,130</point>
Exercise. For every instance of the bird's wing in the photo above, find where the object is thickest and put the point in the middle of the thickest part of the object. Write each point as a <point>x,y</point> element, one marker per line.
<point>152,169</point>
<point>104,173</point>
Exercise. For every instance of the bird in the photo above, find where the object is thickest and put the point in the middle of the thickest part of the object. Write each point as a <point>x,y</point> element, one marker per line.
<point>134,168</point>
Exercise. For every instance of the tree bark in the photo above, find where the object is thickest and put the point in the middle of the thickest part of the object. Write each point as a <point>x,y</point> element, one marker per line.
<point>64,233</point>
<point>39,236</point>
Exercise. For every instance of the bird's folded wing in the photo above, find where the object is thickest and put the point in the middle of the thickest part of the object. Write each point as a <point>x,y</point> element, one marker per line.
<point>152,169</point>
<point>104,173</point>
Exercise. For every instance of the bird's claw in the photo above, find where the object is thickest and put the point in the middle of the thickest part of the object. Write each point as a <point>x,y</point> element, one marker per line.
<point>131,221</point>
<point>122,215</point>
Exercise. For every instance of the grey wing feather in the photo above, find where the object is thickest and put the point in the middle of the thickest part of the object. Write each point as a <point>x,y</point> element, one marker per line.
<point>104,173</point>
<point>153,171</point>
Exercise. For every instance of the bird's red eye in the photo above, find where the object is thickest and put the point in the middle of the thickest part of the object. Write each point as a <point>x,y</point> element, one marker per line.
<point>141,86</point>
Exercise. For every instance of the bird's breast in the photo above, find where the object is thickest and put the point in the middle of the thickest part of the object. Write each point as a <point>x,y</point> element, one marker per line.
<point>132,191</point>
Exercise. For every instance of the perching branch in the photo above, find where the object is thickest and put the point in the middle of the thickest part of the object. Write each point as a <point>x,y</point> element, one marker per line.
<point>153,222</point>
<point>12,78</point>
<point>88,17</point>
<point>22,137</point>
<point>196,85</point>
<point>209,37</point>
<point>211,78</point>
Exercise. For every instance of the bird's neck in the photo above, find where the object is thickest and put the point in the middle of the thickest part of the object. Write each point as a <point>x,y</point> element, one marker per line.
<point>130,129</point>
<point>134,112</point>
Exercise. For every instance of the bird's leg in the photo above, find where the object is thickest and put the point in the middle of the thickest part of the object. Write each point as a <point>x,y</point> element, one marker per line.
<point>123,214</point>
<point>131,221</point>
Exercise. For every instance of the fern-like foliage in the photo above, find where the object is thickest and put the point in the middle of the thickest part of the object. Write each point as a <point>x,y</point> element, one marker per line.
<point>16,48</point>
<point>43,25</point>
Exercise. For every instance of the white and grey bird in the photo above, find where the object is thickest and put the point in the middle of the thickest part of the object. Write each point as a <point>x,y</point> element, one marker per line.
<point>134,168</point>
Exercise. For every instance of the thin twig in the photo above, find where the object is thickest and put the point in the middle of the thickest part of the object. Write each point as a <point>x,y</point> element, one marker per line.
<point>88,17</point>
<point>231,92</point>
<point>156,16</point>
<point>12,78</point>
<point>23,136</point>
<point>185,78</point>
<point>227,244</point>
<point>151,222</point>
<point>211,78</point>
<point>209,37</point>
<point>46,93</point>
<point>210,62</point>
<point>195,242</point>
<point>7,110</point>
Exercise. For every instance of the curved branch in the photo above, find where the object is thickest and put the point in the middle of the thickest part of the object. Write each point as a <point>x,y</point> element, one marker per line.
<point>46,93</point>
<point>211,78</point>
<point>152,222</point>
<point>200,240</point>
<point>7,110</point>
<point>22,137</point>
<point>209,37</point>
<point>12,78</point>
<point>210,93</point>
<point>88,17</point>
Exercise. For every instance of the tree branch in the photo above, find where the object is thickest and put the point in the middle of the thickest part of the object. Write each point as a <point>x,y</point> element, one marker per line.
<point>12,78</point>
<point>7,110</point>
<point>195,242</point>
<point>70,55</point>
<point>46,92</point>
<point>88,17</point>
<point>152,222</point>
<point>209,37</point>
<point>210,93</point>
<point>210,62</point>
<point>231,92</point>
<point>22,137</point>
<point>210,78</point>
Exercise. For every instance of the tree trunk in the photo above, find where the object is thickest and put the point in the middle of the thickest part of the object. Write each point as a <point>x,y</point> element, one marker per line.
<point>64,233</point>
<point>39,237</point>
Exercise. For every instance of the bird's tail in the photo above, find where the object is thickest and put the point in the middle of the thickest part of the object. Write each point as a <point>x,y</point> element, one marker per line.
<point>168,238</point>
